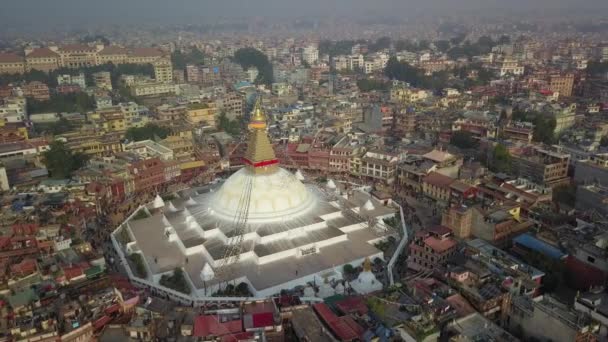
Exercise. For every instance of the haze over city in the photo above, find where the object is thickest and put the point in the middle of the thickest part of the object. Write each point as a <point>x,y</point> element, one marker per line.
<point>321,170</point>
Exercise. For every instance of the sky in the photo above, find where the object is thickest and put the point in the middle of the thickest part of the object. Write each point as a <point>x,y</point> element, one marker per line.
<point>83,12</point>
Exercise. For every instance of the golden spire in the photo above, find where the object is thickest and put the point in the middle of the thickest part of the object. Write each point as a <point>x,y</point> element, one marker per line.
<point>258,118</point>
<point>367,265</point>
<point>259,155</point>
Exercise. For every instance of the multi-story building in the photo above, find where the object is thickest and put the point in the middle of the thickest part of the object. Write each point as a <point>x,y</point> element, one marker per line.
<point>37,90</point>
<point>178,76</point>
<point>310,54</point>
<point>542,166</point>
<point>144,55</point>
<point>148,174</point>
<point>405,122</point>
<point>479,127</point>
<point>132,114</point>
<point>67,79</point>
<point>81,55</point>
<point>592,197</point>
<point>201,112</point>
<point>592,170</point>
<point>437,186</point>
<point>77,55</point>
<point>511,67</point>
<point>112,54</point>
<point>459,219</point>
<point>431,248</point>
<point>181,143</point>
<point>232,104</point>
<point>544,318</point>
<point>562,84</point>
<point>163,71</point>
<point>103,80</point>
<point>11,63</point>
<point>42,59</point>
<point>518,131</point>
<point>408,95</point>
<point>94,143</point>
<point>170,113</point>
<point>378,165</point>
<point>152,89</point>
<point>13,109</point>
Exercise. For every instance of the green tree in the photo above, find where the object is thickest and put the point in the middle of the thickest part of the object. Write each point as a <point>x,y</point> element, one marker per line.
<point>55,128</point>
<point>149,131</point>
<point>177,281</point>
<point>232,127</point>
<point>403,72</point>
<point>61,162</point>
<point>250,57</point>
<point>62,103</point>
<point>380,44</point>
<point>341,47</point>
<point>544,124</point>
<point>565,193</point>
<point>595,68</point>
<point>463,139</point>
<point>442,45</point>
<point>367,84</point>
<point>180,59</point>
<point>348,269</point>
<point>501,159</point>
<point>544,129</point>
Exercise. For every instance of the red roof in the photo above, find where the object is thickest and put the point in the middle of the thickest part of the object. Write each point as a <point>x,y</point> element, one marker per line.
<point>112,309</point>
<point>146,52</point>
<point>209,325</point>
<point>25,266</point>
<point>438,180</point>
<point>72,272</point>
<point>439,245</point>
<point>4,241</point>
<point>42,52</point>
<point>352,305</point>
<point>264,319</point>
<point>77,47</point>
<point>10,58</point>
<point>345,328</point>
<point>439,230</point>
<point>113,50</point>
<point>100,323</point>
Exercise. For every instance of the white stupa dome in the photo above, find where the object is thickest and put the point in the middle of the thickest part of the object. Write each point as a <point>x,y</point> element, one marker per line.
<point>339,288</point>
<point>171,207</point>
<point>325,290</point>
<point>299,175</point>
<point>366,282</point>
<point>369,205</point>
<point>207,273</point>
<point>274,196</point>
<point>331,184</point>
<point>309,291</point>
<point>158,202</point>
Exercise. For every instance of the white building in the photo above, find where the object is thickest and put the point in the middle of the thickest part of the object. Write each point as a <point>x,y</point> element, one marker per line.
<point>511,67</point>
<point>13,109</point>
<point>310,54</point>
<point>252,74</point>
<point>4,185</point>
<point>153,89</point>
<point>78,80</point>
<point>147,149</point>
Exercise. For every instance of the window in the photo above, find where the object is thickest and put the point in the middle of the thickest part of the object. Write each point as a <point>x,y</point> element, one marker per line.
<point>591,259</point>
